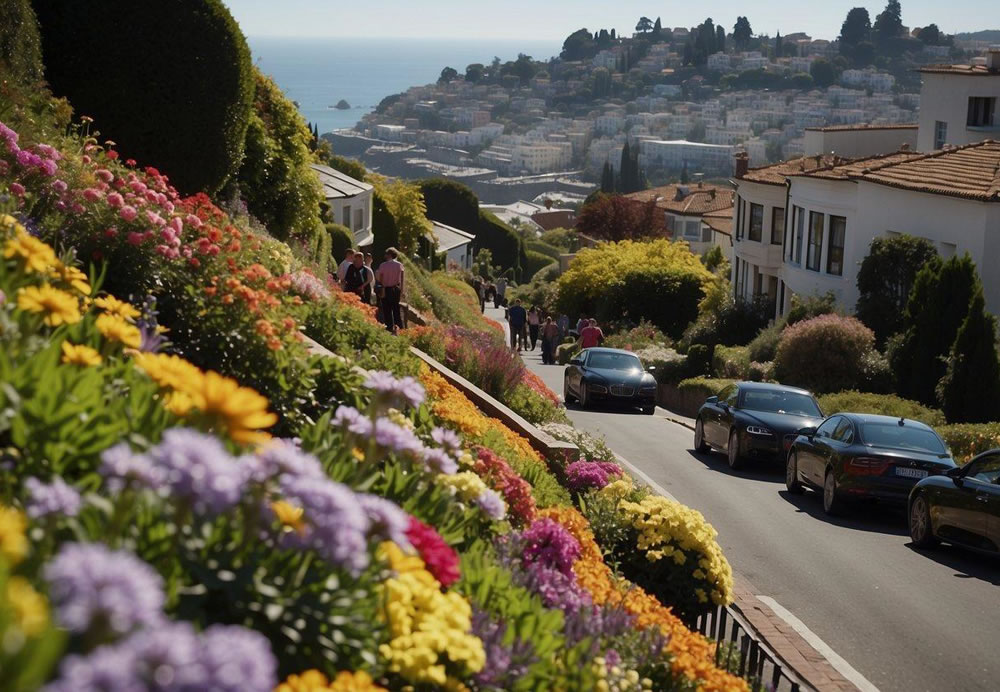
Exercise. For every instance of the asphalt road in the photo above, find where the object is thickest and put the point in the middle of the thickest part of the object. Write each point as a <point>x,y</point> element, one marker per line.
<point>906,620</point>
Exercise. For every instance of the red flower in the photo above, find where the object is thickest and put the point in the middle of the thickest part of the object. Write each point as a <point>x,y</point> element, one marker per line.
<point>440,558</point>
<point>516,491</point>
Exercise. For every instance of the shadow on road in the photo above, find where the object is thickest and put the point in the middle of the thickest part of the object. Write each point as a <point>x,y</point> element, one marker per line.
<point>756,470</point>
<point>859,516</point>
<point>968,564</point>
<point>604,408</point>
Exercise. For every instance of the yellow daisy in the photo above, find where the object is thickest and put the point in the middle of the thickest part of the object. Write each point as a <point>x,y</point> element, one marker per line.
<point>59,307</point>
<point>289,515</point>
<point>170,371</point>
<point>72,276</point>
<point>78,354</point>
<point>37,256</point>
<point>115,328</point>
<point>31,613</point>
<point>241,410</point>
<point>113,306</point>
<point>13,542</point>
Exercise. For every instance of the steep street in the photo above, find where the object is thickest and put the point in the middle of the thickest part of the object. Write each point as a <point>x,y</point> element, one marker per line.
<point>906,620</point>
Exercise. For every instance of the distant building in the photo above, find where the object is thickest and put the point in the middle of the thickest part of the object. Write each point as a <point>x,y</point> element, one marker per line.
<point>350,202</point>
<point>850,141</point>
<point>692,212</point>
<point>958,103</point>
<point>675,155</point>
<point>456,244</point>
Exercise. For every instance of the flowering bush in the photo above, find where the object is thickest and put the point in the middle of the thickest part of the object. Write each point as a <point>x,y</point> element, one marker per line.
<point>824,354</point>
<point>587,475</point>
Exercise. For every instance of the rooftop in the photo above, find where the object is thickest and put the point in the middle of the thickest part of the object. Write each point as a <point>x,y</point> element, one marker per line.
<point>970,172</point>
<point>689,200</point>
<point>449,237</point>
<point>862,127</point>
<point>971,70</point>
<point>720,221</point>
<point>336,184</point>
<point>776,173</point>
<point>851,168</point>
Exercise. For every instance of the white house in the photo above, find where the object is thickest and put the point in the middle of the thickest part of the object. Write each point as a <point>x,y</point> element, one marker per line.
<point>350,201</point>
<point>958,103</point>
<point>692,212</point>
<point>455,243</point>
<point>852,141</point>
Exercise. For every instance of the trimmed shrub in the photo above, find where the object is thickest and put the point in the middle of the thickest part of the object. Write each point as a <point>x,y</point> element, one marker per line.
<point>279,187</point>
<point>699,359</point>
<point>732,323</point>
<point>505,245</point>
<point>565,353</point>
<point>731,361</point>
<point>541,247</point>
<point>341,239</point>
<point>824,354</point>
<point>350,167</point>
<point>886,278</point>
<point>536,262</point>
<point>765,344</point>
<point>973,367</point>
<point>20,44</point>
<point>703,387</point>
<point>644,335</point>
<point>564,239</point>
<point>966,440</point>
<point>383,228</point>
<point>171,83</point>
<point>881,404</point>
<point>811,306</point>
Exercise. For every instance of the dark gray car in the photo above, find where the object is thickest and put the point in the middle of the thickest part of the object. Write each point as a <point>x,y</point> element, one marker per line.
<point>609,375</point>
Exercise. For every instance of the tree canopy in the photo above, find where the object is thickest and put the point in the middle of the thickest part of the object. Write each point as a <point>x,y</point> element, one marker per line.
<point>614,217</point>
<point>742,33</point>
<point>885,280</point>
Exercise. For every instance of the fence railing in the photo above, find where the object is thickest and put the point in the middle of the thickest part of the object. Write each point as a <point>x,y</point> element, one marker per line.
<point>742,651</point>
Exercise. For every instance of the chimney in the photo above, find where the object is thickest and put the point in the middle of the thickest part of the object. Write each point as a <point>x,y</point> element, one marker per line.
<point>742,164</point>
<point>681,193</point>
<point>993,58</point>
<point>712,192</point>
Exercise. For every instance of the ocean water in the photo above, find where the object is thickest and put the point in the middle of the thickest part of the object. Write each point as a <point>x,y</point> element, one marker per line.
<point>318,72</point>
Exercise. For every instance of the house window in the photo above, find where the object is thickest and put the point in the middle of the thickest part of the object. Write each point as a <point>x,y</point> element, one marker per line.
<point>981,111</point>
<point>756,222</point>
<point>777,225</point>
<point>670,222</point>
<point>940,133</point>
<point>347,215</point>
<point>835,253</point>
<point>706,234</point>
<point>800,222</point>
<point>359,219</point>
<point>692,230</point>
<point>815,249</point>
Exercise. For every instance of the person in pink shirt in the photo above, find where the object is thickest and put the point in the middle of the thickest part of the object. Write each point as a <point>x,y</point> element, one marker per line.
<point>390,276</point>
<point>591,335</point>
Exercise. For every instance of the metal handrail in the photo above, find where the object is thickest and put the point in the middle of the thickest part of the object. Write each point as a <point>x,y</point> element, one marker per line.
<point>741,650</point>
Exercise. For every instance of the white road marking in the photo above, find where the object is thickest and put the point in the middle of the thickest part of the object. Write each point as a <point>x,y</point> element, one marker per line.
<point>838,663</point>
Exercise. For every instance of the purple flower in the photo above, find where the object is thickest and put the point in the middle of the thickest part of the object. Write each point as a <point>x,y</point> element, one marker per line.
<point>396,438</point>
<point>235,659</point>
<point>56,498</point>
<point>556,589</point>
<point>352,420</point>
<point>388,521</point>
<point>447,439</point>
<point>284,458</point>
<point>92,586</point>
<point>337,526</point>
<point>548,543</point>
<point>490,502</point>
<point>122,467</point>
<point>199,469</point>
<point>505,664</point>
<point>440,461</point>
<point>106,668</point>
<point>584,475</point>
<point>392,390</point>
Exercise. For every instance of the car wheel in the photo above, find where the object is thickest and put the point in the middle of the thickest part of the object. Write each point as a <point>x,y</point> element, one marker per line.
<point>583,395</point>
<point>792,482</point>
<point>735,460</point>
<point>566,395</point>
<point>649,410</point>
<point>832,503</point>
<point>699,437</point>
<point>921,532</point>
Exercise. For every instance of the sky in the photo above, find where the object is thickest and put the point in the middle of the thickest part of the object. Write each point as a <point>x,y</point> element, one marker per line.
<point>555,19</point>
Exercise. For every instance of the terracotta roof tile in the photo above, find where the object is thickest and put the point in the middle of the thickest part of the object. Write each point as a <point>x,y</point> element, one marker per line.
<point>721,221</point>
<point>971,172</point>
<point>776,173</point>
<point>867,126</point>
<point>974,70</point>
<point>697,201</point>
<point>853,167</point>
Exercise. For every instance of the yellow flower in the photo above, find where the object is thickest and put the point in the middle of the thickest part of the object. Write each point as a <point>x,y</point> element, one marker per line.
<point>467,485</point>
<point>78,354</point>
<point>115,328</point>
<point>37,256</point>
<point>59,307</point>
<point>13,542</point>
<point>170,371</point>
<point>31,612</point>
<point>113,306</point>
<point>241,410</point>
<point>72,276</point>
<point>178,403</point>
<point>289,515</point>
<point>315,681</point>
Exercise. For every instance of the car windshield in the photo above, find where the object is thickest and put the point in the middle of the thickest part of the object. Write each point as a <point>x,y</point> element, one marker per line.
<point>777,401</point>
<point>613,361</point>
<point>895,436</point>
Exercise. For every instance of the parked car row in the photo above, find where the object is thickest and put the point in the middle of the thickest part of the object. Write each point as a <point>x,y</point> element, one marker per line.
<point>854,456</point>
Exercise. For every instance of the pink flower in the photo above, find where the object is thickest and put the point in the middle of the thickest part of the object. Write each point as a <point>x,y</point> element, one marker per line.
<point>85,158</point>
<point>129,213</point>
<point>169,206</point>
<point>134,238</point>
<point>177,225</point>
<point>17,189</point>
<point>78,208</point>
<point>137,186</point>
<point>59,186</point>
<point>194,262</point>
<point>214,250</point>
<point>4,167</point>
<point>49,167</point>
<point>110,232</point>
<point>150,196</point>
<point>163,250</point>
<point>115,200</point>
<point>26,158</point>
<point>155,218</point>
<point>169,236</point>
<point>104,174</point>
<point>92,195</point>
<point>192,220</point>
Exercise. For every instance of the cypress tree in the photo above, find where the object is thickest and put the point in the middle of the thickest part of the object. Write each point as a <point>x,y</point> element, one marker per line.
<point>969,392</point>
<point>607,178</point>
<point>624,170</point>
<point>938,305</point>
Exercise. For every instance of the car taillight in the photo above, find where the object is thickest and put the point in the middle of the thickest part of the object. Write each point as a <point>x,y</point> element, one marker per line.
<point>866,466</point>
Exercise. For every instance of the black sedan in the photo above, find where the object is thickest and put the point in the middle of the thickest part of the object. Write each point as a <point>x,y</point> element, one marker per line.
<point>753,419</point>
<point>962,506</point>
<point>864,456</point>
<point>609,375</point>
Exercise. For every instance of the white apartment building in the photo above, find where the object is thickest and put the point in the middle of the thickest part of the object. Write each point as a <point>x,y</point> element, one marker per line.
<point>868,78</point>
<point>350,202</point>
<point>859,140</point>
<point>674,155</point>
<point>719,62</point>
<point>958,103</point>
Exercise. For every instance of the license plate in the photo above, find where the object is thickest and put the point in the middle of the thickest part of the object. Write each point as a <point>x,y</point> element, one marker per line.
<point>910,473</point>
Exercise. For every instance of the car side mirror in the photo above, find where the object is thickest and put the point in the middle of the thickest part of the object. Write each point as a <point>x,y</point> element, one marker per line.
<point>576,361</point>
<point>956,474</point>
<point>808,432</point>
<point>712,400</point>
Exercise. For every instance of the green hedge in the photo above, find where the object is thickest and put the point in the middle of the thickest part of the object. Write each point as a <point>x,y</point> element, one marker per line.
<point>536,263</point>
<point>731,361</point>
<point>341,239</point>
<point>882,404</point>
<point>966,440</point>
<point>171,82</point>
<point>20,44</point>
<point>540,246</point>
<point>706,386</point>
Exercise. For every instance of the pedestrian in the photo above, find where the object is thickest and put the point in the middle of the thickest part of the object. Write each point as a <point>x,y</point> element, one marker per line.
<point>580,324</point>
<point>550,339</point>
<point>501,291</point>
<point>342,268</point>
<point>480,286</point>
<point>369,288</point>
<point>390,276</point>
<point>517,318</point>
<point>563,323</point>
<point>534,321</point>
<point>591,335</point>
<point>358,278</point>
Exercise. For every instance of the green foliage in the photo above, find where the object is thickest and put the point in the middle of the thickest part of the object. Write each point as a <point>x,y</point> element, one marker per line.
<point>563,238</point>
<point>544,487</point>
<point>881,404</point>
<point>347,333</point>
<point>172,84</point>
<point>507,247</point>
<point>715,261</point>
<point>972,367</point>
<point>811,306</point>
<point>823,72</point>
<point>824,354</point>
<point>642,335</point>
<point>937,306</point>
<point>536,261</point>
<point>703,387</point>
<point>765,344</point>
<point>451,203</point>
<point>350,167</point>
<point>533,407</point>
<point>885,280</point>
<point>275,180</point>
<point>966,440</point>
<point>543,291</point>
<point>383,228</point>
<point>725,320</point>
<point>405,202</point>
<point>731,362</point>
<point>542,247</point>
<point>699,358</point>
<point>20,44</point>
<point>341,239</point>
